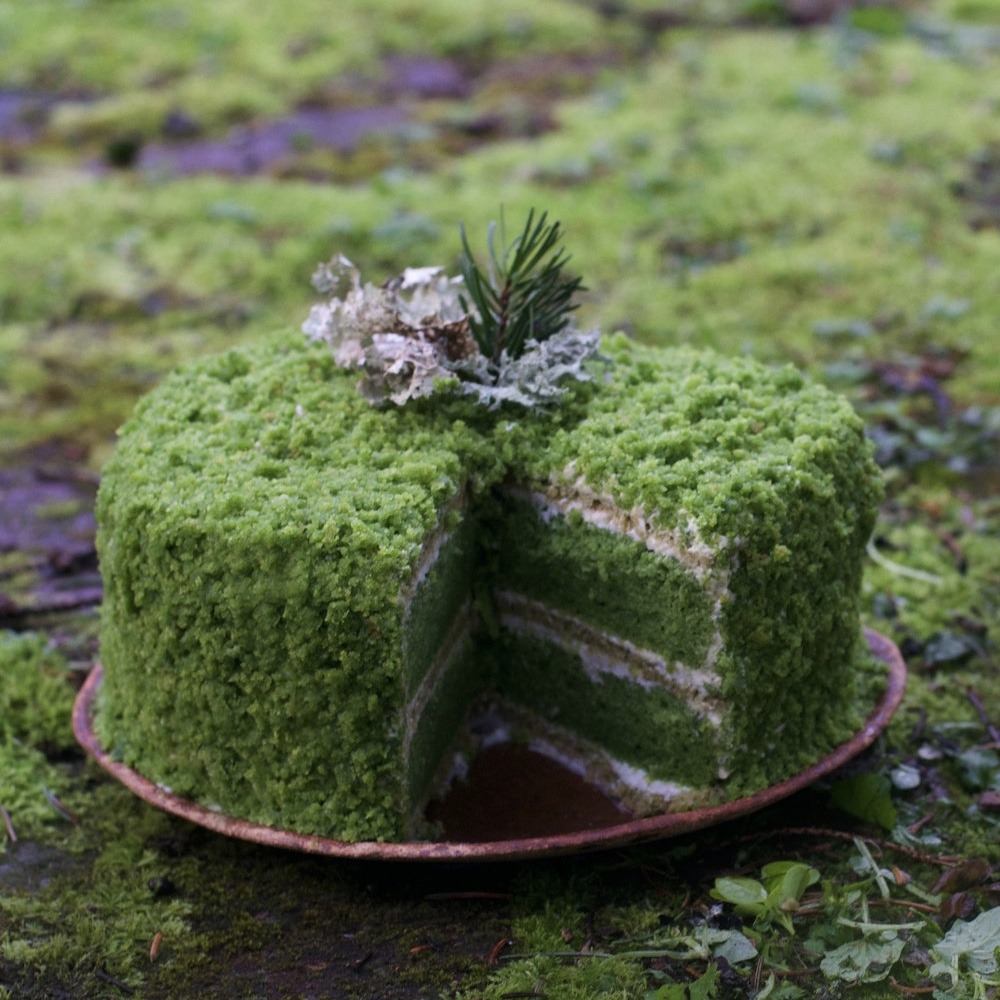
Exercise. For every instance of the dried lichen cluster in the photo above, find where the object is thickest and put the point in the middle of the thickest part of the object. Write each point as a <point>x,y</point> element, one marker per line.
<point>500,336</point>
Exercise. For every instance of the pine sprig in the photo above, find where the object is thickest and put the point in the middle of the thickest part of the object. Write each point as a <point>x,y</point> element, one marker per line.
<point>524,294</point>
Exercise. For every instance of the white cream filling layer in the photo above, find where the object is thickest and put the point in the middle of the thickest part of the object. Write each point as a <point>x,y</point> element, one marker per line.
<point>430,551</point>
<point>633,778</point>
<point>571,494</point>
<point>601,654</point>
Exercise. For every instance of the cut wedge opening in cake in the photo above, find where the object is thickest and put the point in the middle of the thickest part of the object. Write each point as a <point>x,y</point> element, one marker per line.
<point>576,632</point>
<point>512,788</point>
<point>581,673</point>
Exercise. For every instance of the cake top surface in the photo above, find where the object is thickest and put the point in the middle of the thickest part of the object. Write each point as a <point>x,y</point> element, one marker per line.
<point>275,438</point>
<point>683,435</point>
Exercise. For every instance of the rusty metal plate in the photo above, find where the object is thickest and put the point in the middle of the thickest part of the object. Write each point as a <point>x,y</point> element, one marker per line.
<point>513,806</point>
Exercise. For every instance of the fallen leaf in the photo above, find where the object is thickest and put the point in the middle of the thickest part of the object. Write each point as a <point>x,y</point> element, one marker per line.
<point>967,875</point>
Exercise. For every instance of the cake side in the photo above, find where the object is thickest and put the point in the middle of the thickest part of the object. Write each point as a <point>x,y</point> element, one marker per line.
<point>793,626</point>
<point>258,523</point>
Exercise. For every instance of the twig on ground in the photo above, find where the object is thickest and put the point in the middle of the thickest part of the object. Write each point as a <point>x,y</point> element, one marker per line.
<point>911,991</point>
<point>943,860</point>
<point>437,897</point>
<point>991,730</point>
<point>950,542</point>
<point>359,963</point>
<point>8,826</point>
<point>493,958</point>
<point>917,826</point>
<point>906,904</point>
<point>60,807</point>
<point>117,983</point>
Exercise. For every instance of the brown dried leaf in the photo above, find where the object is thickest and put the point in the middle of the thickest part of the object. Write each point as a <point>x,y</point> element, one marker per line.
<point>960,906</point>
<point>967,875</point>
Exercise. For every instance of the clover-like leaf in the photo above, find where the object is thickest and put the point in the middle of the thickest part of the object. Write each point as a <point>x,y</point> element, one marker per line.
<point>973,944</point>
<point>746,894</point>
<point>863,961</point>
<point>867,796</point>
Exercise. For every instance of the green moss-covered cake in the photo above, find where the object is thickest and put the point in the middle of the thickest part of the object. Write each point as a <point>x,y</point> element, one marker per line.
<point>307,598</point>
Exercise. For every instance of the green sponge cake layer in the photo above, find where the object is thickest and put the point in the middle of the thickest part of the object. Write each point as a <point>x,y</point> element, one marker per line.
<point>305,595</point>
<point>603,578</point>
<point>628,719</point>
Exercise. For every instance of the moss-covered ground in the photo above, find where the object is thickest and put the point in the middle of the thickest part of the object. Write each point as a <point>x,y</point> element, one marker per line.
<point>749,174</point>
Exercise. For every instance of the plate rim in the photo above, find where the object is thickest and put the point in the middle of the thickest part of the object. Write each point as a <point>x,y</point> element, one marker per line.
<point>635,831</point>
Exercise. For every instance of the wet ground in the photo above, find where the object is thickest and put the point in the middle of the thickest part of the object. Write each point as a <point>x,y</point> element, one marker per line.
<point>48,563</point>
<point>407,99</point>
<point>410,100</point>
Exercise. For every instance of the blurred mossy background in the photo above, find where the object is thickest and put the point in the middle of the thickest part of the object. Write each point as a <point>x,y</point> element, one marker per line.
<point>805,180</point>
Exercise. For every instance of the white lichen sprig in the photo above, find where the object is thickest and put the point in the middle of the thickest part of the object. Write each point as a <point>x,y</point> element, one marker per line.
<point>419,331</point>
<point>404,335</point>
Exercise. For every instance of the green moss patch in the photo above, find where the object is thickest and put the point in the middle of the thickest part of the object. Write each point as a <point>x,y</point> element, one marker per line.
<point>35,698</point>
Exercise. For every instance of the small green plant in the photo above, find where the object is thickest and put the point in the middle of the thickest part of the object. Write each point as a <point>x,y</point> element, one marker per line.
<point>524,294</point>
<point>969,952</point>
<point>773,899</point>
<point>961,963</point>
<point>706,987</point>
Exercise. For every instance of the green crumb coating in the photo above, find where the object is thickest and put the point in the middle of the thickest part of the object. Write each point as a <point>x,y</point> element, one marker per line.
<point>268,619</point>
<point>257,522</point>
<point>683,433</point>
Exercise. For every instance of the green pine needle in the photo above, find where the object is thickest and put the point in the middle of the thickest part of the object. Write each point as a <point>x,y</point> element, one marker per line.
<point>524,294</point>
